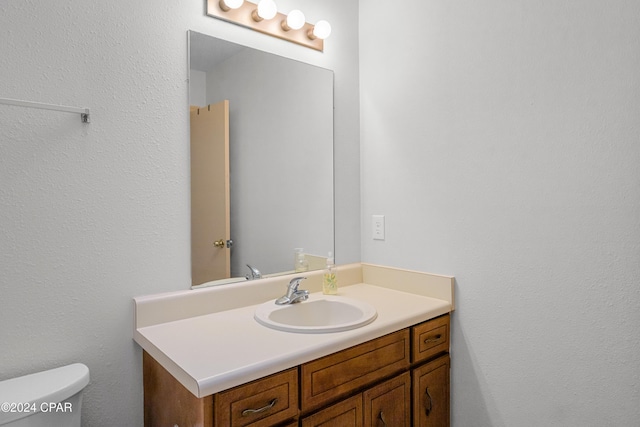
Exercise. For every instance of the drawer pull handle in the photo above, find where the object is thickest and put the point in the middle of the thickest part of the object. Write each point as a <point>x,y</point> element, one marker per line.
<point>436,339</point>
<point>257,411</point>
<point>428,402</point>
<point>381,418</point>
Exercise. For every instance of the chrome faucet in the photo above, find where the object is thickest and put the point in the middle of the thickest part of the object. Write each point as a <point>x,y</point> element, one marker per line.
<point>254,273</point>
<point>293,294</point>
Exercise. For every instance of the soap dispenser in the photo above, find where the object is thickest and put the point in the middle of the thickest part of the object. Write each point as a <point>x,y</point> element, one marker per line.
<point>300,261</point>
<point>329,278</point>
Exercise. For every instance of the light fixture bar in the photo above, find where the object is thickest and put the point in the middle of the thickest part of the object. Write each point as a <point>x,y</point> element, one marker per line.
<point>273,27</point>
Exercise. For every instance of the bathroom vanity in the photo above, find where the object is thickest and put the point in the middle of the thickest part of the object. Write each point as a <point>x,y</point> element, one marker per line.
<point>208,362</point>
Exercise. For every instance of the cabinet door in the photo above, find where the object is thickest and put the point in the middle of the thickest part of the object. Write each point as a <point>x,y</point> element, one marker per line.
<point>389,404</point>
<point>431,393</point>
<point>347,413</point>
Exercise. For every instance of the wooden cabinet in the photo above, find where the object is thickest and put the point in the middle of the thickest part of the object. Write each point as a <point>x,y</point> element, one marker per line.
<point>430,338</point>
<point>400,379</point>
<point>386,404</point>
<point>169,403</point>
<point>389,404</point>
<point>431,393</point>
<point>332,377</point>
<point>347,413</point>
<point>261,403</point>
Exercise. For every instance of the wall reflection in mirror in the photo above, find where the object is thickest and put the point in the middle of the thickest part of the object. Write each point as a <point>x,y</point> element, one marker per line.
<point>261,143</point>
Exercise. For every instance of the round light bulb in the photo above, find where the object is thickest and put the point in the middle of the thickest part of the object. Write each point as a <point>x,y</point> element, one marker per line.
<point>231,4</point>
<point>267,9</point>
<point>295,20</point>
<point>322,29</point>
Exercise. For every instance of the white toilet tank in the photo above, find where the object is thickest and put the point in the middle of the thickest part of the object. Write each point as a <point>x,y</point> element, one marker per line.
<point>45,399</point>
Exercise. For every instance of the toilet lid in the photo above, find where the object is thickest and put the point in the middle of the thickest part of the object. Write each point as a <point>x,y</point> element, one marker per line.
<point>54,385</point>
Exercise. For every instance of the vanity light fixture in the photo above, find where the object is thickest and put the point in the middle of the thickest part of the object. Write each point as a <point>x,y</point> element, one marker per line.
<point>264,17</point>
<point>295,21</point>
<point>266,9</point>
<point>321,30</point>
<point>227,5</point>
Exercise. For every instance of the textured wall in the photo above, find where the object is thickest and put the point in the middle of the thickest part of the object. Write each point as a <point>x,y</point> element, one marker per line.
<point>502,142</point>
<point>93,215</point>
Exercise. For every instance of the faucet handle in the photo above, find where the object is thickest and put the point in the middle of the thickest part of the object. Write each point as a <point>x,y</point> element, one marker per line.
<point>295,282</point>
<point>254,273</point>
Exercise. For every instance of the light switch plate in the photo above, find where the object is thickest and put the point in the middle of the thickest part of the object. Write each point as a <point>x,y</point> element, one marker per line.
<point>378,227</point>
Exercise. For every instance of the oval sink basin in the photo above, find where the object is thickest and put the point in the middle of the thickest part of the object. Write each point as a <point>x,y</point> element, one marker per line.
<point>319,314</point>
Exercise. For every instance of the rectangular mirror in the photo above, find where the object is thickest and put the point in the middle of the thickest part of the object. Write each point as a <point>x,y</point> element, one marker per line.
<point>261,143</point>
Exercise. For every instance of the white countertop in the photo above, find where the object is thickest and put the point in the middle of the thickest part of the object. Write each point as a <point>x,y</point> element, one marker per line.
<point>213,352</point>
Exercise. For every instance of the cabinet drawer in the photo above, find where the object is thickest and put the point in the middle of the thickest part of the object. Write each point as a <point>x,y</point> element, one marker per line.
<point>334,376</point>
<point>263,402</point>
<point>430,338</point>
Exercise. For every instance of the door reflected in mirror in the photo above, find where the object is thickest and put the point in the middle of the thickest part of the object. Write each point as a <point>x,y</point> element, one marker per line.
<point>269,154</point>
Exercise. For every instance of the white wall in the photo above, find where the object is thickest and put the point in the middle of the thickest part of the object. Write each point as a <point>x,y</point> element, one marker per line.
<point>93,215</point>
<point>501,140</point>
